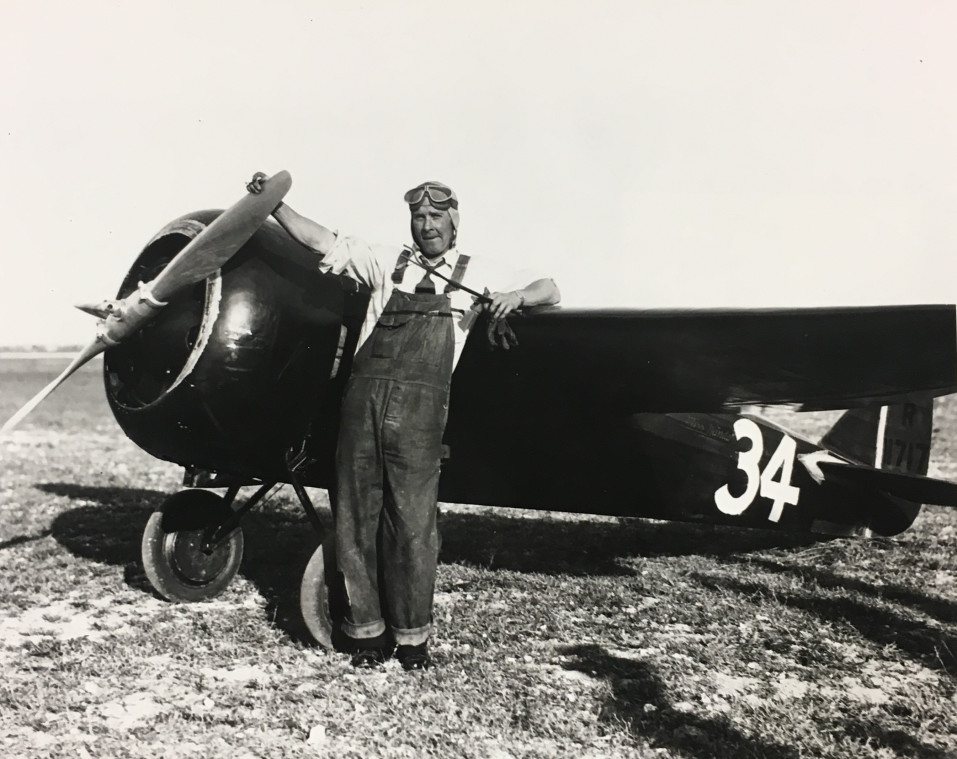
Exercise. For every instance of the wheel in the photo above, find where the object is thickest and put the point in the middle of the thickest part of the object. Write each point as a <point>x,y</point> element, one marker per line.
<point>174,558</point>
<point>322,595</point>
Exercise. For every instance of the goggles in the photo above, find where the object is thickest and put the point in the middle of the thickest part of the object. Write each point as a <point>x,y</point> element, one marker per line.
<point>438,195</point>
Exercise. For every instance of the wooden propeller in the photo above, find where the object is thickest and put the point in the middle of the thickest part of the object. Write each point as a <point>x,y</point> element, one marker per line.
<point>204,255</point>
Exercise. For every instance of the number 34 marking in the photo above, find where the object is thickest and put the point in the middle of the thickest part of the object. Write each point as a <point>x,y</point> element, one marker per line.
<point>774,482</point>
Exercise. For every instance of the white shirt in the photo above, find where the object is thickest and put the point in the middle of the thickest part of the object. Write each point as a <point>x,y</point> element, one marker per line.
<point>372,265</point>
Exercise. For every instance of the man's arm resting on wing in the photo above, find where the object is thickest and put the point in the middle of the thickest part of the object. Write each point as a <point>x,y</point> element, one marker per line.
<point>541,292</point>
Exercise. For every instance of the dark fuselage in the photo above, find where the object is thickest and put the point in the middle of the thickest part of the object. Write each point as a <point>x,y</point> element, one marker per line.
<point>234,375</point>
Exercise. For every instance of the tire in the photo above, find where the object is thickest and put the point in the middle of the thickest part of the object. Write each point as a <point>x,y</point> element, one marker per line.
<point>322,595</point>
<point>175,562</point>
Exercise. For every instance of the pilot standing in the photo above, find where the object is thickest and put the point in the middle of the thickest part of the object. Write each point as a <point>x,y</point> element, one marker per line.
<point>395,409</point>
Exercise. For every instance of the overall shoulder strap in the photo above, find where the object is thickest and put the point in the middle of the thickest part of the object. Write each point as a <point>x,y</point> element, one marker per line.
<point>400,265</point>
<point>458,272</point>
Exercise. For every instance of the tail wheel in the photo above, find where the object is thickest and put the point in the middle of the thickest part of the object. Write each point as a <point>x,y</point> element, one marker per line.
<point>178,561</point>
<point>322,595</point>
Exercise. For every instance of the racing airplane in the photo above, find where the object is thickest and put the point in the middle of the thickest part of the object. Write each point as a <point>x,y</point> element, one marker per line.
<point>226,352</point>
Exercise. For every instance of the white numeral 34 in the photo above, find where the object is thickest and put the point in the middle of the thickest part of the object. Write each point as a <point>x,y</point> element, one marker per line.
<point>778,489</point>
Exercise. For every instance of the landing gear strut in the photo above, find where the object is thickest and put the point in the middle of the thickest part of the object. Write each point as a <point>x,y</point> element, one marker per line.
<point>193,546</point>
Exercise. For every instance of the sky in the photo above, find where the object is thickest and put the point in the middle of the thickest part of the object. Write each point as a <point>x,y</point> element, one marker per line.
<point>645,154</point>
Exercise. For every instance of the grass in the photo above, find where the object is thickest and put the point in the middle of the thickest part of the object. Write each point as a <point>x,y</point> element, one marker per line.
<point>556,635</point>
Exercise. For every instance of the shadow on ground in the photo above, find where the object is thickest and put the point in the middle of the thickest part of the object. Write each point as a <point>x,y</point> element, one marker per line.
<point>638,700</point>
<point>886,614</point>
<point>108,528</point>
<point>586,548</point>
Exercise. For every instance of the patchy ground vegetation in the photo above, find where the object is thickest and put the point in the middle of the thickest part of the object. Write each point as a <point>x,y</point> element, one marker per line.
<point>556,635</point>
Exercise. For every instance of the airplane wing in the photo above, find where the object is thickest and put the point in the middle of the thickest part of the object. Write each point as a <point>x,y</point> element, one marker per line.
<point>718,360</point>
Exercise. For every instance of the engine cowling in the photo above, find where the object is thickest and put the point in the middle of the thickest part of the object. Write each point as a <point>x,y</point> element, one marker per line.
<point>238,369</point>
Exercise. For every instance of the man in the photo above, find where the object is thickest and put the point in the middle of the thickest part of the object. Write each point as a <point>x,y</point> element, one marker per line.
<point>395,409</point>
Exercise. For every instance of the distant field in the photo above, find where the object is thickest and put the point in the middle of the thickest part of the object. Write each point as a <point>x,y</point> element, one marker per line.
<point>555,636</point>
<point>80,404</point>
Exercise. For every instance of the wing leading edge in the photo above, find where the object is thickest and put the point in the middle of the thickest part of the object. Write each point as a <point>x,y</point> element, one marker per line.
<point>719,360</point>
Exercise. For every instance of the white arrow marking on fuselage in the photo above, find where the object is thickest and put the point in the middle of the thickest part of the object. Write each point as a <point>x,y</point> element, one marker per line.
<point>812,462</point>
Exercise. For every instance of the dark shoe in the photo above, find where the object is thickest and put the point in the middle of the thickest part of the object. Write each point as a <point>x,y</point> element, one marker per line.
<point>368,658</point>
<point>368,653</point>
<point>414,657</point>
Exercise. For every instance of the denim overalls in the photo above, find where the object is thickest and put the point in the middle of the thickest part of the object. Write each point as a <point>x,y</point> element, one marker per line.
<point>387,464</point>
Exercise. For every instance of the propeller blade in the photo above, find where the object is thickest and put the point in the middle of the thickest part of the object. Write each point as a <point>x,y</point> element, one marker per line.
<point>100,310</point>
<point>216,244</point>
<point>91,350</point>
<point>204,254</point>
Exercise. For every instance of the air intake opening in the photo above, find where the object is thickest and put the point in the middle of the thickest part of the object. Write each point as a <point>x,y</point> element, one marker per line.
<point>149,363</point>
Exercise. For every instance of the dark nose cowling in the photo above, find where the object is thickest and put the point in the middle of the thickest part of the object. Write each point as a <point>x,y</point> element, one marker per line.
<point>232,372</point>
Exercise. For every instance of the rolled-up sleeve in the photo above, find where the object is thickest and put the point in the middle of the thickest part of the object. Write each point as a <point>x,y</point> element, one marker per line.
<point>356,259</point>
